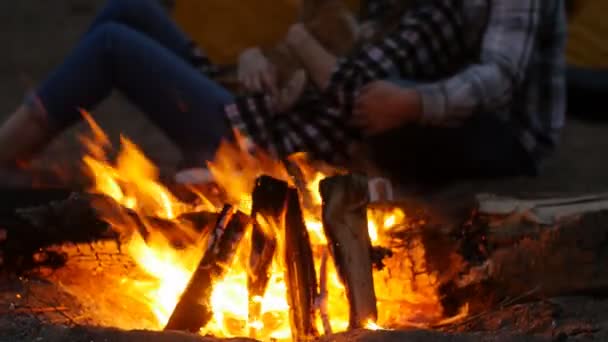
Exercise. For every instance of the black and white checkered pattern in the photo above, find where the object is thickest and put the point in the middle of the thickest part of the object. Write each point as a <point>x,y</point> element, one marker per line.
<point>427,45</point>
<point>468,57</point>
<point>424,46</point>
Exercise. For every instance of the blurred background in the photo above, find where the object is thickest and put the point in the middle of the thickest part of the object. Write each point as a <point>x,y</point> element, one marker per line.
<point>37,34</point>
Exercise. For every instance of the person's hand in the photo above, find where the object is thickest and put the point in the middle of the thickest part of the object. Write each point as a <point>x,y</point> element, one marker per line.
<point>255,72</point>
<point>381,106</point>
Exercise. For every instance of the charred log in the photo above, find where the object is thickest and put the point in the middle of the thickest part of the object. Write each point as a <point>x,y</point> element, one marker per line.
<point>518,257</point>
<point>269,198</point>
<point>299,180</point>
<point>345,200</point>
<point>81,218</point>
<point>300,276</point>
<point>193,310</point>
<point>30,230</point>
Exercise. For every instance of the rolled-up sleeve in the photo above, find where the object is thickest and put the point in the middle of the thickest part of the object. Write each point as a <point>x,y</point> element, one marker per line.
<point>489,84</point>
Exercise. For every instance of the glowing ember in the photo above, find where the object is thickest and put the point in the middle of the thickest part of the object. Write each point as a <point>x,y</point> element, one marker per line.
<point>407,293</point>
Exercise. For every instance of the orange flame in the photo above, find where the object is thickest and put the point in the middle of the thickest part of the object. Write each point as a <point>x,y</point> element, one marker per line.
<point>132,181</point>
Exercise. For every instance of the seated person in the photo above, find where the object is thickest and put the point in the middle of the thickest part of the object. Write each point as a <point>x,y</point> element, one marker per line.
<point>469,82</point>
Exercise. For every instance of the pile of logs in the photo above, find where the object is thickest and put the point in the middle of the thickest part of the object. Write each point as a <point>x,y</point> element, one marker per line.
<point>510,248</point>
<point>276,217</point>
<point>277,214</point>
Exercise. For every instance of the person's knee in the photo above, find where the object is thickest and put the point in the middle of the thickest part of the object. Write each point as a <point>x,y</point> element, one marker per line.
<point>109,35</point>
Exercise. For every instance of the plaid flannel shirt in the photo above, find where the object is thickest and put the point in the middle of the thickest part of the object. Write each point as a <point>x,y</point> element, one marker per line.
<point>469,57</point>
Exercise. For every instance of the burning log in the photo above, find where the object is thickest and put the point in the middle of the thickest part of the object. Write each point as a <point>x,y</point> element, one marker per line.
<point>193,309</point>
<point>297,175</point>
<point>269,198</point>
<point>300,275</point>
<point>80,218</point>
<point>345,200</point>
<point>182,232</point>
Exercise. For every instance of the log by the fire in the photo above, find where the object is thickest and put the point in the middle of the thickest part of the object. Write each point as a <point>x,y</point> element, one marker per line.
<point>193,311</point>
<point>300,276</point>
<point>511,253</point>
<point>81,217</point>
<point>182,231</point>
<point>345,200</point>
<point>28,230</point>
<point>268,200</point>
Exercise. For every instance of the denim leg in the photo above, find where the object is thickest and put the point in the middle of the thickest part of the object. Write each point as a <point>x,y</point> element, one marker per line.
<point>403,82</point>
<point>148,17</point>
<point>184,103</point>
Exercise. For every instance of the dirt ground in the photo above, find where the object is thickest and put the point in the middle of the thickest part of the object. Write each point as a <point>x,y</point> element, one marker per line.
<point>36,35</point>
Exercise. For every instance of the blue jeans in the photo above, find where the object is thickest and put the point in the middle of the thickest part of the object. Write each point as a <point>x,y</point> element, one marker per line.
<point>134,47</point>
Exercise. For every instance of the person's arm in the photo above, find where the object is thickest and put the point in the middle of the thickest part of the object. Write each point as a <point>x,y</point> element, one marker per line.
<point>255,72</point>
<point>506,50</point>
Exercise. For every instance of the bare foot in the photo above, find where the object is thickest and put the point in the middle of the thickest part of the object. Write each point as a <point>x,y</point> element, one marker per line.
<point>291,93</point>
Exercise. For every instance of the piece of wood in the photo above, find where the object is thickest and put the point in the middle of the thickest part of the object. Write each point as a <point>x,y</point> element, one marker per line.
<point>512,256</point>
<point>200,221</point>
<point>193,310</point>
<point>82,217</point>
<point>322,301</point>
<point>29,230</point>
<point>345,200</point>
<point>33,310</point>
<point>27,197</point>
<point>268,201</point>
<point>182,232</point>
<point>300,275</point>
<point>543,211</point>
<point>297,175</point>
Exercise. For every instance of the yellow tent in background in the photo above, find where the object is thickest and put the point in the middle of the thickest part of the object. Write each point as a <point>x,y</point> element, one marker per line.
<point>226,27</point>
<point>588,35</point>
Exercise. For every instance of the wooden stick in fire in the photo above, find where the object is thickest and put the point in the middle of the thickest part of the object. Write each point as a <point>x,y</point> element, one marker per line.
<point>300,275</point>
<point>268,200</point>
<point>345,200</point>
<point>193,310</point>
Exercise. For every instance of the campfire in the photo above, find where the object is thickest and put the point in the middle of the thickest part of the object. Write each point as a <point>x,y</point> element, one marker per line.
<point>277,251</point>
<point>288,251</point>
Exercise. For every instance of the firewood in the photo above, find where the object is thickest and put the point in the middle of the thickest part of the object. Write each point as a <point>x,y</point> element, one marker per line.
<point>193,310</point>
<point>562,260</point>
<point>545,211</point>
<point>269,198</point>
<point>508,253</point>
<point>29,230</point>
<point>297,175</point>
<point>81,217</point>
<point>300,276</point>
<point>181,232</point>
<point>345,200</point>
<point>199,220</point>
